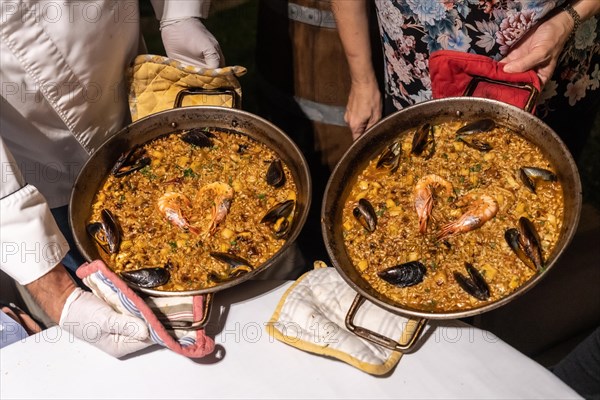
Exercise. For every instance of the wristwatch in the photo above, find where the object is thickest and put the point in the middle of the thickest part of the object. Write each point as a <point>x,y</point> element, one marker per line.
<point>576,19</point>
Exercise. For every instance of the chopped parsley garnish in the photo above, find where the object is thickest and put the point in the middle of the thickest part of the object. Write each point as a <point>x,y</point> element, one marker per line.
<point>189,173</point>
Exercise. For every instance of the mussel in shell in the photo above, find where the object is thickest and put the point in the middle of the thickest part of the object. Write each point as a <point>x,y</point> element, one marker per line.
<point>475,285</point>
<point>106,232</point>
<point>422,139</point>
<point>275,174</point>
<point>476,144</point>
<point>279,218</point>
<point>365,215</point>
<point>531,175</point>
<point>530,242</point>
<point>479,126</point>
<point>524,241</point>
<point>404,275</point>
<point>512,239</point>
<point>147,277</point>
<point>237,267</point>
<point>390,157</point>
<point>130,161</point>
<point>198,137</point>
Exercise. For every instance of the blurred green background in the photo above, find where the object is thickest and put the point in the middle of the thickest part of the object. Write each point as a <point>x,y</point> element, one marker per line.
<point>233,23</point>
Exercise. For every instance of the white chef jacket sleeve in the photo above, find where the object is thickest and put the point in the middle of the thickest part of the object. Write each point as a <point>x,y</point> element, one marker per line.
<point>167,10</point>
<point>30,241</point>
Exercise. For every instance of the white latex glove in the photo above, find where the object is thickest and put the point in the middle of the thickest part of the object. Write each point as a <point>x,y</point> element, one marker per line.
<point>88,318</point>
<point>188,40</point>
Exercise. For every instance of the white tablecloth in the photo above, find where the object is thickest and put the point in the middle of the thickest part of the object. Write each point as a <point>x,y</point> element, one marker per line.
<point>452,360</point>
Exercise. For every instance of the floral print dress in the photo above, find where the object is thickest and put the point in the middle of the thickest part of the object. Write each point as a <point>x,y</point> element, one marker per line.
<point>412,29</point>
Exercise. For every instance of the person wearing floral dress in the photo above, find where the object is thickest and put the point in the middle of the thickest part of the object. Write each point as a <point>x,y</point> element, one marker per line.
<point>529,34</point>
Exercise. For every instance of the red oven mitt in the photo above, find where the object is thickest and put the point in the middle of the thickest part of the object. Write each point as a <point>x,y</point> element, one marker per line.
<point>109,287</point>
<point>452,71</point>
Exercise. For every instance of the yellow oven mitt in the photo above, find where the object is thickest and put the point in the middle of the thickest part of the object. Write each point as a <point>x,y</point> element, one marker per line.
<point>155,82</point>
<point>311,314</point>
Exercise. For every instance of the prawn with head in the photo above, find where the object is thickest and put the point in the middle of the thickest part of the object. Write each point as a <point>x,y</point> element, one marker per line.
<point>216,196</point>
<point>423,194</point>
<point>171,206</point>
<point>481,209</point>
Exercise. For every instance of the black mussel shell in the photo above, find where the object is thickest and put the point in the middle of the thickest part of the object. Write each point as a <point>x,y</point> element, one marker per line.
<point>512,237</point>
<point>476,144</point>
<point>527,181</point>
<point>96,231</point>
<point>230,259</point>
<point>275,174</point>
<point>130,161</point>
<point>421,139</point>
<point>237,267</point>
<point>365,215</point>
<point>479,126</point>
<point>147,277</point>
<point>530,242</point>
<point>475,285</point>
<point>280,228</point>
<point>280,210</point>
<point>539,173</point>
<point>529,176</point>
<point>112,231</point>
<point>233,274</point>
<point>390,157</point>
<point>198,137</point>
<point>106,233</point>
<point>404,275</point>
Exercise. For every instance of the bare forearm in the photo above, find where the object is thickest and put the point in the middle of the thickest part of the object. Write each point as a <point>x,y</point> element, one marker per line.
<point>586,8</point>
<point>51,290</point>
<point>353,27</point>
<point>564,24</point>
<point>541,48</point>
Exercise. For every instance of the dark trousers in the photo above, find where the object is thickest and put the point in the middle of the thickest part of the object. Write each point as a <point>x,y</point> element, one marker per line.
<point>580,369</point>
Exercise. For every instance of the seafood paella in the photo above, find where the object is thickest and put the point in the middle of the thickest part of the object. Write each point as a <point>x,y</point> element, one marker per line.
<point>453,216</point>
<point>192,209</point>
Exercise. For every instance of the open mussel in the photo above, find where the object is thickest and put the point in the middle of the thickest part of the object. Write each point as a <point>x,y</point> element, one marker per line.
<point>476,144</point>
<point>130,161</point>
<point>531,175</point>
<point>422,139</point>
<point>275,174</point>
<point>404,275</point>
<point>279,218</point>
<point>106,233</point>
<point>148,277</point>
<point>365,215</point>
<point>198,137</point>
<point>475,285</point>
<point>390,157</point>
<point>237,267</point>
<point>525,243</point>
<point>479,126</point>
<point>530,242</point>
<point>512,236</point>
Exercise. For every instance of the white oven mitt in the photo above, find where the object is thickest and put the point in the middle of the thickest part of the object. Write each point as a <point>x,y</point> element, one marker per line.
<point>159,313</point>
<point>311,314</point>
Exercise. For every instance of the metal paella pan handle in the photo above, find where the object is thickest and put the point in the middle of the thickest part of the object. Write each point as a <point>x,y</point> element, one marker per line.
<point>533,92</point>
<point>235,98</point>
<point>377,338</point>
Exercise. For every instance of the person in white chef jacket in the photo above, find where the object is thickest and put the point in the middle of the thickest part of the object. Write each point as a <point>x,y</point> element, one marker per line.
<point>62,69</point>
